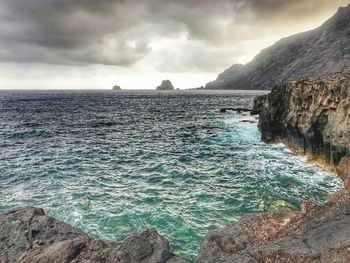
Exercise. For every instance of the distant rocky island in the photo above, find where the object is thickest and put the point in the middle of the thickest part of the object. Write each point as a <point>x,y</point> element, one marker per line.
<point>166,85</point>
<point>323,50</point>
<point>116,87</point>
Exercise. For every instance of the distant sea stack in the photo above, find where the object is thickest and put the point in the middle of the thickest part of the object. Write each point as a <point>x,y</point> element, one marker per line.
<point>117,87</point>
<point>310,114</point>
<point>323,50</point>
<point>166,85</point>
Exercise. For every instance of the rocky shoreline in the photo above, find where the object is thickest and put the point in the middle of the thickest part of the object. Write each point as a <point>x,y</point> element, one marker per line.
<point>319,233</point>
<point>310,114</point>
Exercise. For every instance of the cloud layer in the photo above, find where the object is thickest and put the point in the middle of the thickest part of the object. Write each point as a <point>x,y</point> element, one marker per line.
<point>164,35</point>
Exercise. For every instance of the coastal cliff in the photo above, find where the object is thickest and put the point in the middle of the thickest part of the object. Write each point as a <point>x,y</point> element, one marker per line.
<point>311,115</point>
<point>323,50</point>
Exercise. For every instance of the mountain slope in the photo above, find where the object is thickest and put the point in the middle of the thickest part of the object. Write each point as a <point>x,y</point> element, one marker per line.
<point>325,49</point>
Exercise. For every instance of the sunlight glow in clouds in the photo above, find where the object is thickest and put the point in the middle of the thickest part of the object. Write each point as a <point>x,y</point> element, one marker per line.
<point>136,44</point>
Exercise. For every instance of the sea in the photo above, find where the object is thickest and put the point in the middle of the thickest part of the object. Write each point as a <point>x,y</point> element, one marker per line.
<point>113,163</point>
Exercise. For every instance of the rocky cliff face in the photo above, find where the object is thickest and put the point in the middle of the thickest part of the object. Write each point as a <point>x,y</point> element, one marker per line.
<point>311,114</point>
<point>320,51</point>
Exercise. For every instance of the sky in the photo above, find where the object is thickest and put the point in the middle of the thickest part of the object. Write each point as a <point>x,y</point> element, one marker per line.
<point>90,44</point>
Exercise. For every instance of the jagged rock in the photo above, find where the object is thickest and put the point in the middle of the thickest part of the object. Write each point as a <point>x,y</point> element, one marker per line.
<point>166,85</point>
<point>28,235</point>
<point>148,247</point>
<point>259,104</point>
<point>311,114</point>
<point>320,233</point>
<point>320,51</point>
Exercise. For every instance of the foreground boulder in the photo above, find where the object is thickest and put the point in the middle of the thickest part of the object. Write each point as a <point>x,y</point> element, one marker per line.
<point>28,235</point>
<point>319,233</point>
<point>310,114</point>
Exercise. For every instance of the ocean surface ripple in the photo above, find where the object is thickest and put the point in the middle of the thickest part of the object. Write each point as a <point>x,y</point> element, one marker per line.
<point>112,163</point>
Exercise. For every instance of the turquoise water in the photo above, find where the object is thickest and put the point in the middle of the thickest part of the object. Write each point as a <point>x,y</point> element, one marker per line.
<point>114,163</point>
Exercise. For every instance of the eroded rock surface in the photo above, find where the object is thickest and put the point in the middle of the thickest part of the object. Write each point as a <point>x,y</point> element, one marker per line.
<point>319,233</point>
<point>28,235</point>
<point>343,170</point>
<point>312,114</point>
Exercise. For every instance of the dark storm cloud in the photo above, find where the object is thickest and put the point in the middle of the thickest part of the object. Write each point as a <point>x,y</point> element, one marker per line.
<point>121,32</point>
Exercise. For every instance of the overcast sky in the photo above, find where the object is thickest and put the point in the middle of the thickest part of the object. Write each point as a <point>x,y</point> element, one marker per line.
<point>74,44</point>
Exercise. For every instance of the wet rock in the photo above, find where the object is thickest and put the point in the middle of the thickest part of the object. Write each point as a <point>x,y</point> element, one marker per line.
<point>311,114</point>
<point>28,235</point>
<point>248,121</point>
<point>238,110</point>
<point>318,234</point>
